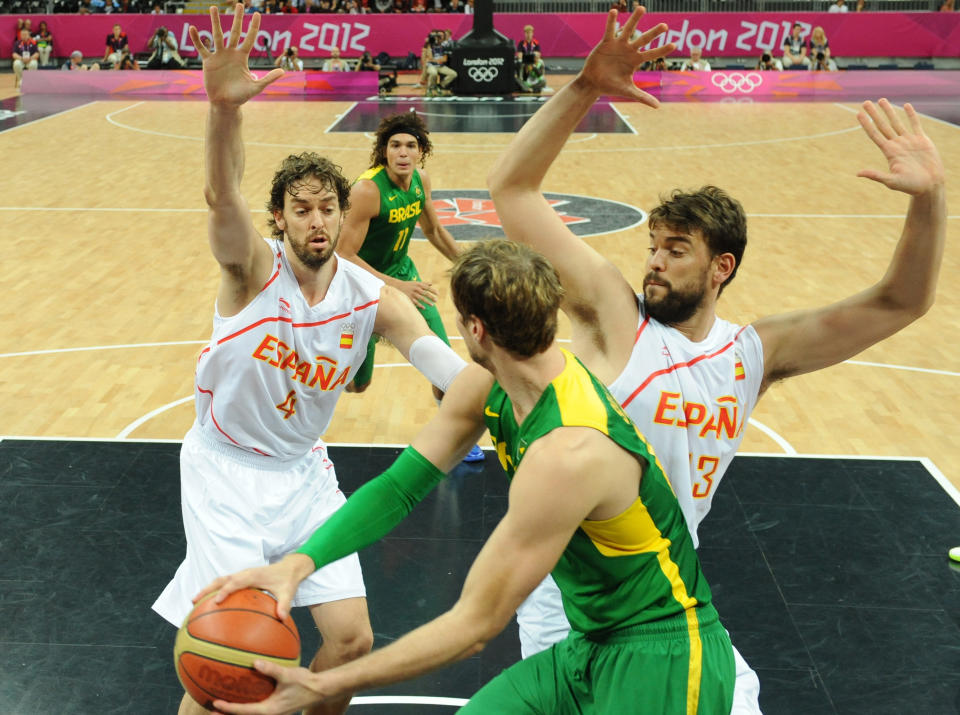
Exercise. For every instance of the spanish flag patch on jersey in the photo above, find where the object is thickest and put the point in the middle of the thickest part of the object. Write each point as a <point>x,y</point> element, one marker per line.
<point>738,373</point>
<point>346,336</point>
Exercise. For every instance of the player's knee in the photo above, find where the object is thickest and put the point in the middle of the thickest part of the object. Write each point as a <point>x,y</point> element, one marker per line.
<point>348,645</point>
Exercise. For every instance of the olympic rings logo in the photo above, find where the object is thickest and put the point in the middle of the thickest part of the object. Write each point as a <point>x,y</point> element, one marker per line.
<point>736,81</point>
<point>483,74</point>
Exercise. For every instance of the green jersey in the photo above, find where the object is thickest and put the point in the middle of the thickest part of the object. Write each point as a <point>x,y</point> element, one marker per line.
<point>385,246</point>
<point>637,567</point>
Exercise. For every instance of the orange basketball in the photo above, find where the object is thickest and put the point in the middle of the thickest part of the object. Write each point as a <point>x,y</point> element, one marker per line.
<point>217,644</point>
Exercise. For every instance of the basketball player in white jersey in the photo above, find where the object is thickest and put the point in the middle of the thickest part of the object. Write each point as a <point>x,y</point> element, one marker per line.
<point>686,377</point>
<point>291,325</point>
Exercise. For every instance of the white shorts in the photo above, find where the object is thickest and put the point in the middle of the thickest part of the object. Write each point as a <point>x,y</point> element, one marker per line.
<point>242,510</point>
<point>542,623</point>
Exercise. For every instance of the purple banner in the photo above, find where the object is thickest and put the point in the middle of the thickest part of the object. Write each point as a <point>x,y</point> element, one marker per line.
<point>189,83</point>
<point>745,85</point>
<point>886,34</point>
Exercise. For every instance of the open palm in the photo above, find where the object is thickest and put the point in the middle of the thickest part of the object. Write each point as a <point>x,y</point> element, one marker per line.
<point>914,164</point>
<point>226,75</point>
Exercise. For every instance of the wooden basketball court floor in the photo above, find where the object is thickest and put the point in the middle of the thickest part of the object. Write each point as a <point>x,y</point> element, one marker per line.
<point>846,508</point>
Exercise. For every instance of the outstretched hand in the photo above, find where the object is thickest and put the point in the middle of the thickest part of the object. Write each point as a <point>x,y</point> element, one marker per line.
<point>294,691</point>
<point>610,66</point>
<point>281,579</point>
<point>226,75</point>
<point>915,166</point>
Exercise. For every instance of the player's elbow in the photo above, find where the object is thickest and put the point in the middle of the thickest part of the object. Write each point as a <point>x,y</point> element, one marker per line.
<point>482,624</point>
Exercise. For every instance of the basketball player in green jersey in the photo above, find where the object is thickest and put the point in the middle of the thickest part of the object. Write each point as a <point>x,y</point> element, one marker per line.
<point>387,201</point>
<point>588,501</point>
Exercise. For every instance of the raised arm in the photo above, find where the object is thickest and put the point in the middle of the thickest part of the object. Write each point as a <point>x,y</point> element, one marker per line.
<point>808,340</point>
<point>244,258</point>
<point>598,297</point>
<point>429,222</point>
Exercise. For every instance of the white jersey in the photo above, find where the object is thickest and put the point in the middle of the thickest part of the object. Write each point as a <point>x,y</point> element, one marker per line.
<point>691,401</point>
<point>271,375</point>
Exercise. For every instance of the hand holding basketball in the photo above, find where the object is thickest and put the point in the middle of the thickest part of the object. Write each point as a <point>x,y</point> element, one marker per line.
<point>280,579</point>
<point>295,690</point>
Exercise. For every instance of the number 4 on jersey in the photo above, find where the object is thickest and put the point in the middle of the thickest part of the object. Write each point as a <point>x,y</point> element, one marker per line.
<point>288,406</point>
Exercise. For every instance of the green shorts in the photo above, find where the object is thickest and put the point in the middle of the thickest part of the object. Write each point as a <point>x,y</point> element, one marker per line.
<point>405,272</point>
<point>650,668</point>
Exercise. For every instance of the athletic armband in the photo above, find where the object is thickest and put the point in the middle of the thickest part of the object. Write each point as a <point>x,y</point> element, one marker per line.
<point>374,509</point>
<point>436,360</point>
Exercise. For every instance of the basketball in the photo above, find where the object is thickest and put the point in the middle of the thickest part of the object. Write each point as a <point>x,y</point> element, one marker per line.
<point>217,644</point>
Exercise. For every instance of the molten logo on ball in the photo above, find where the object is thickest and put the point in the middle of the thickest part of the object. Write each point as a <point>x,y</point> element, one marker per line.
<point>235,688</point>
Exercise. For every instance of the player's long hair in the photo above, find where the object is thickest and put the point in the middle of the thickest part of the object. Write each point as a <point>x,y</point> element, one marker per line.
<point>402,123</point>
<point>713,212</point>
<point>513,290</point>
<point>296,169</point>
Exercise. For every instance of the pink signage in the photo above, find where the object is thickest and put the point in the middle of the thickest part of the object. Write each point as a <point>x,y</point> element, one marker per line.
<point>881,34</point>
<point>188,83</point>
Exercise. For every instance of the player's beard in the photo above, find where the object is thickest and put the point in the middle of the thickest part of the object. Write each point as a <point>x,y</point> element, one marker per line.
<point>309,258</point>
<point>679,304</point>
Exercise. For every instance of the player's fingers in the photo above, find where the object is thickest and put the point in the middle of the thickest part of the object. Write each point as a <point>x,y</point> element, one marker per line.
<point>215,28</point>
<point>892,117</point>
<point>631,24</point>
<point>277,672</point>
<point>878,176</point>
<point>611,28</point>
<point>878,120</point>
<point>870,128</point>
<point>213,586</point>
<point>271,77</point>
<point>914,119</point>
<point>235,29</point>
<point>252,31</point>
<point>646,98</point>
<point>650,35</point>
<point>198,43</point>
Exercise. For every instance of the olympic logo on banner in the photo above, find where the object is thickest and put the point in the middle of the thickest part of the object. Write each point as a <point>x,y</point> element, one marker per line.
<point>736,81</point>
<point>483,74</point>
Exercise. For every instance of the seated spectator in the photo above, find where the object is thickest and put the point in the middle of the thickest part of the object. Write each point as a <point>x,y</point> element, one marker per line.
<point>270,7</point>
<point>165,55</point>
<point>418,5</point>
<point>25,56</point>
<point>290,7</point>
<point>76,63</point>
<point>838,6</point>
<point>386,80</point>
<point>468,8</point>
<point>44,41</point>
<point>768,62</point>
<point>455,6</point>
<point>351,7</point>
<point>127,61</point>
<point>23,23</point>
<point>334,63</point>
<point>532,76</point>
<point>819,47</point>
<point>157,10</point>
<point>527,46</point>
<point>290,60</point>
<point>439,74</point>
<point>948,6</point>
<point>696,63</point>
<point>116,41</point>
<point>794,50</point>
<point>862,4</point>
<point>399,6</point>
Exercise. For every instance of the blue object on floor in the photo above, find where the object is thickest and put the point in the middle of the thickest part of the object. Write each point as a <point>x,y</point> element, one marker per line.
<point>475,455</point>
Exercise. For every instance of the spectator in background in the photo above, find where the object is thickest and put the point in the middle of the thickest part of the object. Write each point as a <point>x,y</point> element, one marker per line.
<point>165,55</point>
<point>439,74</point>
<point>418,5</point>
<point>696,63</point>
<point>794,49</point>
<point>25,56</point>
<point>527,46</point>
<point>768,62</point>
<point>75,63</point>
<point>44,41</point>
<point>23,23</point>
<point>386,81</point>
<point>532,76</point>
<point>290,60</point>
<point>468,9</point>
<point>334,63</point>
<point>861,5</point>
<point>127,61</point>
<point>948,6</point>
<point>116,41</point>
<point>455,6</point>
<point>157,10</point>
<point>819,53</point>
<point>838,6</point>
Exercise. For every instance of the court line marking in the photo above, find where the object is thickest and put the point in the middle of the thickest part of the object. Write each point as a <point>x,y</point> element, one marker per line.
<point>406,700</point>
<point>928,464</point>
<point>340,117</point>
<point>623,118</point>
<point>43,119</point>
<point>459,147</point>
<point>784,444</point>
